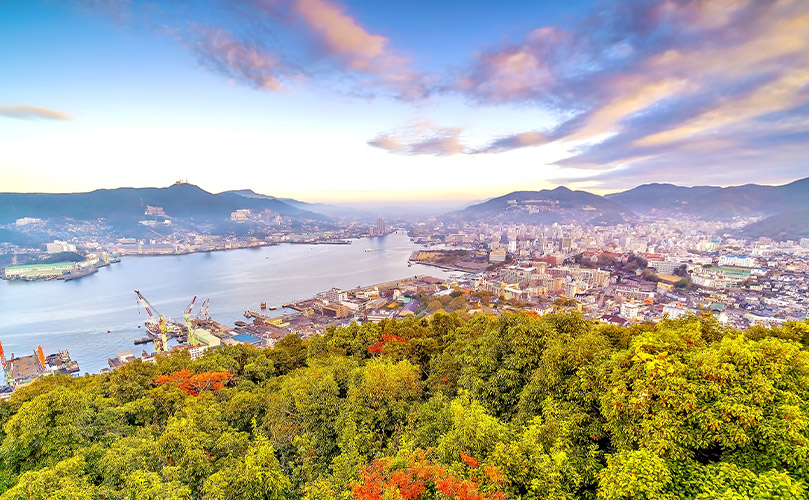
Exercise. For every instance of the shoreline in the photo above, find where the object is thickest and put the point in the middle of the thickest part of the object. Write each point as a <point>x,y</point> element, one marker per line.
<point>445,267</point>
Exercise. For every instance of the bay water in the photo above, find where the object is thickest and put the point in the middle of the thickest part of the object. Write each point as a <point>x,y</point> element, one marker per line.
<point>77,315</point>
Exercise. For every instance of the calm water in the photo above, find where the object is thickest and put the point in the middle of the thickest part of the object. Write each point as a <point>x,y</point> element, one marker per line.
<point>77,314</point>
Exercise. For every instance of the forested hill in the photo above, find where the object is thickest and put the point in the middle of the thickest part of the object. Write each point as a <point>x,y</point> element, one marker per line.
<point>451,407</point>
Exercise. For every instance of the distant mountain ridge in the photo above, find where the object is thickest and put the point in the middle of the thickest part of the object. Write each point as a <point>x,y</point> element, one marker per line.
<point>124,204</point>
<point>318,208</point>
<point>548,205</point>
<point>712,202</point>
<point>786,207</point>
<point>648,197</point>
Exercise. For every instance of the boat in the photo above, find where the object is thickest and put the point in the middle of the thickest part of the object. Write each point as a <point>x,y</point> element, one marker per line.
<point>369,249</point>
<point>273,308</point>
<point>247,314</point>
<point>264,305</point>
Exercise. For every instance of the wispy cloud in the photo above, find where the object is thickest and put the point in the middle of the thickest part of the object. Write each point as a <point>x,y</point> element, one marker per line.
<point>31,113</point>
<point>269,44</point>
<point>516,141</point>
<point>422,138</point>
<point>218,50</point>
<point>651,84</point>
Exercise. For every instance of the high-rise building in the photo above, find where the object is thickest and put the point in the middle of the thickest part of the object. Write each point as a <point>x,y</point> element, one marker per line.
<point>380,226</point>
<point>567,244</point>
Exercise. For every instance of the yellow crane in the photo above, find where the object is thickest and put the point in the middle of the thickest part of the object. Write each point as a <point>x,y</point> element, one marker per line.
<point>188,323</point>
<point>157,325</point>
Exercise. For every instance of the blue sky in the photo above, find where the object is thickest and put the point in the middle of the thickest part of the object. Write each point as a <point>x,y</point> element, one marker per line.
<point>330,101</point>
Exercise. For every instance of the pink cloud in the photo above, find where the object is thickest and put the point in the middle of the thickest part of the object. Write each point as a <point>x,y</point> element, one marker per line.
<point>341,35</point>
<point>422,138</point>
<point>218,50</point>
<point>357,50</point>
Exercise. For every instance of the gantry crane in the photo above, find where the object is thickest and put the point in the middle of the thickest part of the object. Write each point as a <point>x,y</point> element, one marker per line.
<point>159,322</point>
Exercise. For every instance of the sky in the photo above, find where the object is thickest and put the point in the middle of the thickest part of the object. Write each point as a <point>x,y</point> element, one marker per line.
<point>355,101</point>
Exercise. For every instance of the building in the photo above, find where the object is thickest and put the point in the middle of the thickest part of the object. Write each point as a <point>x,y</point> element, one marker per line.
<point>737,261</point>
<point>335,311</point>
<point>59,247</point>
<point>665,266</point>
<point>630,310</point>
<point>27,220</point>
<point>497,255</point>
<point>566,244</point>
<point>39,271</point>
<point>633,293</point>
<point>240,215</point>
<point>200,336</point>
<point>25,369</point>
<point>380,226</point>
<point>674,311</point>
<point>155,211</point>
<point>244,338</point>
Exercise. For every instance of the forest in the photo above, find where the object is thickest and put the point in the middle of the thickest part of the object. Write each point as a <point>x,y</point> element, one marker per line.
<point>449,406</point>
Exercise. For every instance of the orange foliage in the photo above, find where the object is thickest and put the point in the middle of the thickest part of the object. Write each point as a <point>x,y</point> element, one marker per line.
<point>469,460</point>
<point>377,348</point>
<point>420,475</point>
<point>193,384</point>
<point>494,475</point>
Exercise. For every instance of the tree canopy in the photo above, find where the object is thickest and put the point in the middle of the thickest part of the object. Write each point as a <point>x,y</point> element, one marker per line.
<point>446,407</point>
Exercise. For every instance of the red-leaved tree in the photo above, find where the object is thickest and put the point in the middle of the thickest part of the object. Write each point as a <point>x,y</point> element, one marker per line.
<point>417,478</point>
<point>193,384</point>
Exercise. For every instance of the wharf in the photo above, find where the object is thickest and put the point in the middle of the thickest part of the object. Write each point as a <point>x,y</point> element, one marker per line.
<point>252,314</point>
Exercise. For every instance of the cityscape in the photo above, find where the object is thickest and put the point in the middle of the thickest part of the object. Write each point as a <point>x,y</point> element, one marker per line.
<point>339,249</point>
<point>646,268</point>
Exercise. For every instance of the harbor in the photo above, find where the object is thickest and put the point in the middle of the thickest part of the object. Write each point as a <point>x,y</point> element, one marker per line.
<point>305,318</point>
<point>97,316</point>
<point>19,371</point>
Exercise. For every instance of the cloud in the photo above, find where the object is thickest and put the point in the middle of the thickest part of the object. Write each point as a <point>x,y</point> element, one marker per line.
<point>659,84</point>
<point>516,141</point>
<point>341,37</point>
<point>31,113</point>
<point>218,50</point>
<point>271,44</point>
<point>422,138</point>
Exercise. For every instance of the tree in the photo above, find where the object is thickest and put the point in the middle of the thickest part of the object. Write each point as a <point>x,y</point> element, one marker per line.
<point>255,476</point>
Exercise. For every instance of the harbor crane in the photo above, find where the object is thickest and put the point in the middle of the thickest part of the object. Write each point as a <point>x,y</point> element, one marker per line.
<point>204,311</point>
<point>187,312</point>
<point>160,326</point>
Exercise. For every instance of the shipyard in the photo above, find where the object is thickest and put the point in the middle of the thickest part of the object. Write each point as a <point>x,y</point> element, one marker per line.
<point>20,371</point>
<point>304,319</point>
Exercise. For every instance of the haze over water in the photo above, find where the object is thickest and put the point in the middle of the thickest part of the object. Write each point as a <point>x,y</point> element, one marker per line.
<point>77,314</point>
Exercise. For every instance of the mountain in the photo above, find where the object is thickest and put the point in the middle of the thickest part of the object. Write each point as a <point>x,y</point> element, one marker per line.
<point>334,211</point>
<point>649,197</point>
<point>715,202</point>
<point>128,204</point>
<point>546,206</point>
<point>784,226</point>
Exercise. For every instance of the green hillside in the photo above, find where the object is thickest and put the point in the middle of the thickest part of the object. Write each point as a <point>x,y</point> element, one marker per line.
<point>452,407</point>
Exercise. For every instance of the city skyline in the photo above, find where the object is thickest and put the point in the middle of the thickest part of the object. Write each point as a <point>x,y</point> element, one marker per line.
<point>356,101</point>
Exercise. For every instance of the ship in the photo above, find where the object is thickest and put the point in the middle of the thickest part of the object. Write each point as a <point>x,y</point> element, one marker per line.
<point>369,249</point>
<point>264,305</point>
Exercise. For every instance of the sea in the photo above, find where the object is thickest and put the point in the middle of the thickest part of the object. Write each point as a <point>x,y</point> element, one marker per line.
<point>97,316</point>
